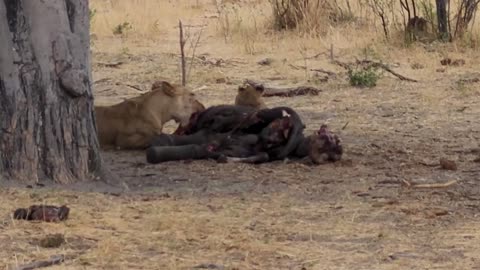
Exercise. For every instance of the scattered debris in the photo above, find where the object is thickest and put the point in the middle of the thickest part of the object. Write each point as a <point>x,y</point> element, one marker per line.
<point>52,241</point>
<point>287,92</point>
<point>440,70</point>
<point>449,62</point>
<point>47,213</point>
<point>448,164</point>
<point>53,260</point>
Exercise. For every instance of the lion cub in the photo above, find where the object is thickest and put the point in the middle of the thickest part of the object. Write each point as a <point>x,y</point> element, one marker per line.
<point>250,96</point>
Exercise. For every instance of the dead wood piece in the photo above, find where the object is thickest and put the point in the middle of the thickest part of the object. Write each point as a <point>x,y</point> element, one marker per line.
<point>286,92</point>
<point>433,185</point>
<point>329,73</point>
<point>110,65</point>
<point>131,86</point>
<point>53,260</point>
<point>292,91</point>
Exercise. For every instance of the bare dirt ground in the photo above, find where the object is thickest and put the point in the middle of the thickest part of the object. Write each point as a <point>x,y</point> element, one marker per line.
<point>358,213</point>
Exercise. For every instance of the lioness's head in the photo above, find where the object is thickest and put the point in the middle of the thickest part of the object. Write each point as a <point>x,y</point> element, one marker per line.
<point>182,103</point>
<point>250,95</point>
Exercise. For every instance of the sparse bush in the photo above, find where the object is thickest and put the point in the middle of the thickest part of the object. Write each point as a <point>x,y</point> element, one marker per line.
<point>91,13</point>
<point>122,28</point>
<point>308,16</point>
<point>363,77</point>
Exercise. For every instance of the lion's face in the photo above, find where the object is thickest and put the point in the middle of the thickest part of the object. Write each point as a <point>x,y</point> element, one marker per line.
<point>185,105</point>
<point>250,95</point>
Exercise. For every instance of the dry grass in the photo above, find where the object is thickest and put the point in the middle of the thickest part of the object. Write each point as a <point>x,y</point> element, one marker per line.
<point>275,216</point>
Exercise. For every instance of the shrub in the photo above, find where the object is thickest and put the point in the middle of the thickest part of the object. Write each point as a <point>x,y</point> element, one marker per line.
<point>122,28</point>
<point>364,77</point>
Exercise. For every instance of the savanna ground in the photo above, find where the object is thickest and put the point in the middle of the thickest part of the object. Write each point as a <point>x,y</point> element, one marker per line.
<point>354,214</point>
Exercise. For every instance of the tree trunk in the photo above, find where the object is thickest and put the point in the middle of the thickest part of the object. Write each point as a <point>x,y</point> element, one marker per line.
<point>442,18</point>
<point>47,123</point>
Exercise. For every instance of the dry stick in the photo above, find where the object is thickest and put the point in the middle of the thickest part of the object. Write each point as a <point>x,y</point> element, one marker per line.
<point>182,53</point>
<point>435,185</point>
<point>193,52</point>
<point>386,68</point>
<point>134,87</point>
<point>329,73</point>
<point>113,64</point>
<point>331,52</point>
<point>55,259</point>
<point>377,65</point>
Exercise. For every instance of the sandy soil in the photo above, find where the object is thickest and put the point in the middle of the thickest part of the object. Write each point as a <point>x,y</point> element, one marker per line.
<point>358,213</point>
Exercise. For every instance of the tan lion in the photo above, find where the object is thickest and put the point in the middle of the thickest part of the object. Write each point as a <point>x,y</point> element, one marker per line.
<point>251,96</point>
<point>132,123</point>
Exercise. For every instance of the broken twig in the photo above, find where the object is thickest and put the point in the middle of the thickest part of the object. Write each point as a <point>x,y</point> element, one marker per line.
<point>53,260</point>
<point>182,53</point>
<point>433,185</point>
<point>111,65</point>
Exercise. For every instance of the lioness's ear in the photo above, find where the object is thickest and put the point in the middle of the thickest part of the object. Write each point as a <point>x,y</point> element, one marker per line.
<point>168,89</point>
<point>241,88</point>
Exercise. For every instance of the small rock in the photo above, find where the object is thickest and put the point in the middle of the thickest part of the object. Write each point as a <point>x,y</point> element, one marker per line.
<point>209,266</point>
<point>52,241</point>
<point>446,61</point>
<point>448,164</point>
<point>220,80</point>
<point>265,62</point>
<point>440,70</point>
<point>477,160</point>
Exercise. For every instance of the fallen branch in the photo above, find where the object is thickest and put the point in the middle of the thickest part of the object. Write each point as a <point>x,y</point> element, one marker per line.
<point>433,185</point>
<point>111,65</point>
<point>369,63</point>
<point>288,91</point>
<point>54,260</point>
<point>329,73</point>
<point>131,86</point>
<point>386,68</point>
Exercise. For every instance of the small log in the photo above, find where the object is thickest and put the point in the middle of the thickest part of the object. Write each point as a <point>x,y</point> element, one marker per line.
<point>288,91</point>
<point>53,260</point>
<point>110,65</point>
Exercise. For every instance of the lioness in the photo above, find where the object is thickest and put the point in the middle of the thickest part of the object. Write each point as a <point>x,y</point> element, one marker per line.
<point>251,96</point>
<point>132,123</point>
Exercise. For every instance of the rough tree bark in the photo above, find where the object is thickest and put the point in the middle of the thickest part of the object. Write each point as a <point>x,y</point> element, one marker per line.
<point>47,123</point>
<point>442,18</point>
